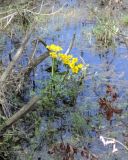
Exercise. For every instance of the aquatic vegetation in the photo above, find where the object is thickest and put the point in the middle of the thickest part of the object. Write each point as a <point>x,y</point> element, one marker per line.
<point>68,60</point>
<point>124,20</point>
<point>63,86</point>
<point>65,117</point>
<point>78,122</point>
<point>105,32</point>
<point>106,29</point>
<point>62,89</point>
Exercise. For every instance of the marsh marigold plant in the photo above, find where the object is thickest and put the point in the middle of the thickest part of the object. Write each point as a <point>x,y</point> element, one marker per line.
<point>68,60</point>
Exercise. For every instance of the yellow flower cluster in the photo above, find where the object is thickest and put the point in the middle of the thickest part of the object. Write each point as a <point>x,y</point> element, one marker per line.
<point>68,60</point>
<point>54,48</point>
<point>65,58</point>
<point>53,55</point>
<point>71,62</point>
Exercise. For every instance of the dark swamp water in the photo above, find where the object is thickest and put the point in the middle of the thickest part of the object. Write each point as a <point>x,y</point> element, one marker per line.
<point>105,67</point>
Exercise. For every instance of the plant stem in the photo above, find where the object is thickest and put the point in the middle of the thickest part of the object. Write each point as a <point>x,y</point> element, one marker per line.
<point>53,65</point>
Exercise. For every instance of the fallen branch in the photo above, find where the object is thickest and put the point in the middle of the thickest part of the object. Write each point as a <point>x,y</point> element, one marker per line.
<point>16,58</point>
<point>33,64</point>
<point>18,115</point>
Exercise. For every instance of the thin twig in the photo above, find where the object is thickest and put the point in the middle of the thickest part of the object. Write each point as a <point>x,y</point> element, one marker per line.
<point>9,21</point>
<point>71,44</point>
<point>45,14</point>
<point>33,52</point>
<point>3,18</point>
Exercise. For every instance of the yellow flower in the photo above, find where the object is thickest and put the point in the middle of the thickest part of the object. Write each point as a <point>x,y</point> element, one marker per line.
<point>65,57</point>
<point>75,69</point>
<point>54,48</point>
<point>80,65</point>
<point>62,56</point>
<point>71,65</point>
<point>66,61</point>
<point>53,54</point>
<point>69,56</point>
<point>74,60</point>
